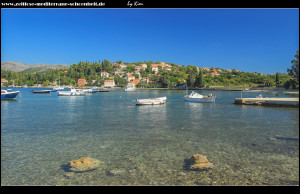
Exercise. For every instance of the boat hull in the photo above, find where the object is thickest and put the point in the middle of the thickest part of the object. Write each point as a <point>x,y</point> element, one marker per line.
<point>41,91</point>
<point>204,99</point>
<point>70,94</point>
<point>153,101</point>
<point>10,95</point>
<point>130,89</point>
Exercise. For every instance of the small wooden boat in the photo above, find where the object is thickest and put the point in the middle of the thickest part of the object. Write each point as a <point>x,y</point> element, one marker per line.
<point>41,91</point>
<point>195,97</point>
<point>9,95</point>
<point>150,101</point>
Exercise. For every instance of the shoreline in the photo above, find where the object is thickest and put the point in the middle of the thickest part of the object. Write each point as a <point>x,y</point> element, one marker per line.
<point>276,90</point>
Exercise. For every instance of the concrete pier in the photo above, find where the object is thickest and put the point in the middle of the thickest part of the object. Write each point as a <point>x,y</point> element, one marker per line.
<point>277,102</point>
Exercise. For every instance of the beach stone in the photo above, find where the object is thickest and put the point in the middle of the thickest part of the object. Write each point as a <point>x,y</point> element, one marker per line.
<point>200,162</point>
<point>197,158</point>
<point>84,164</point>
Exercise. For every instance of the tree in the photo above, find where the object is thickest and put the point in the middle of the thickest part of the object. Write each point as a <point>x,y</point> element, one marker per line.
<point>277,79</point>
<point>294,71</point>
<point>199,79</point>
<point>191,80</point>
<point>46,83</point>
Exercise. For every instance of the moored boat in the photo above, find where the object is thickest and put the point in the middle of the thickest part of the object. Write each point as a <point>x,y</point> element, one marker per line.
<point>150,101</point>
<point>130,87</point>
<point>195,97</point>
<point>72,92</point>
<point>41,91</point>
<point>96,89</point>
<point>9,95</point>
<point>58,88</point>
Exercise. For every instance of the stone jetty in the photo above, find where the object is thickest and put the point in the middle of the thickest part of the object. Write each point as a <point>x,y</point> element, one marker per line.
<point>277,102</point>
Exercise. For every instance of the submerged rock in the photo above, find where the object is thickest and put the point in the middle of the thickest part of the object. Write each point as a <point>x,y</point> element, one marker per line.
<point>84,164</point>
<point>200,162</point>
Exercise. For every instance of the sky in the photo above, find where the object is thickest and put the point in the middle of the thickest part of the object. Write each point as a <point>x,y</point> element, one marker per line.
<point>250,40</point>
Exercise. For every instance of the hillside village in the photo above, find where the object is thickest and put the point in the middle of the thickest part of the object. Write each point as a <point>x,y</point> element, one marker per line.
<point>135,77</point>
<point>147,74</point>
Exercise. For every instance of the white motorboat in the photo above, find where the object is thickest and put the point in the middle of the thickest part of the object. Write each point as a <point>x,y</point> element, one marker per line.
<point>72,92</point>
<point>150,101</point>
<point>195,97</point>
<point>129,89</point>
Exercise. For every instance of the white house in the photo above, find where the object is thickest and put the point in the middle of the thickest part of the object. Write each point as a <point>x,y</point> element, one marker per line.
<point>104,74</point>
<point>109,83</point>
<point>130,77</point>
<point>154,67</point>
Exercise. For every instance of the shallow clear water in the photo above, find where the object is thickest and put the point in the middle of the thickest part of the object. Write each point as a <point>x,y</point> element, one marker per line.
<point>147,145</point>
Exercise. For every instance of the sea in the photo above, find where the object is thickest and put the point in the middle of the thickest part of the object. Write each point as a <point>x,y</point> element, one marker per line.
<point>147,145</point>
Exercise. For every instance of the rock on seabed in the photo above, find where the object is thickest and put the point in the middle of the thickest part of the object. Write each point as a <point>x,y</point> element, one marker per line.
<point>200,162</point>
<point>84,164</point>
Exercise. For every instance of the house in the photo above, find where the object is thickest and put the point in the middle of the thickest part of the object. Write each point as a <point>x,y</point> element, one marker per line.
<point>130,77</point>
<point>3,81</point>
<point>135,81</point>
<point>119,73</point>
<point>122,65</point>
<point>104,74</point>
<point>168,65</point>
<point>109,83</point>
<point>228,70</point>
<point>143,65</point>
<point>138,68</point>
<point>93,81</point>
<point>214,73</point>
<point>205,69</point>
<point>81,82</point>
<point>154,67</point>
<point>168,68</point>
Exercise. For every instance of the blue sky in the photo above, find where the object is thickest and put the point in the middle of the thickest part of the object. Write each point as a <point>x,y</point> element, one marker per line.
<point>251,40</point>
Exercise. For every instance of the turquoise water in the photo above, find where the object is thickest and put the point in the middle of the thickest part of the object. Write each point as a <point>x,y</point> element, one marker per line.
<point>147,145</point>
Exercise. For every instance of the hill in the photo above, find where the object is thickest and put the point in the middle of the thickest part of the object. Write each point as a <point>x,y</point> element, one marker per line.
<point>26,68</point>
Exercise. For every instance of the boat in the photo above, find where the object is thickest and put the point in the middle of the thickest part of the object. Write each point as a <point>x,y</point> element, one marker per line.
<point>129,89</point>
<point>96,89</point>
<point>57,88</point>
<point>195,97</point>
<point>72,92</point>
<point>41,91</point>
<point>9,95</point>
<point>150,101</point>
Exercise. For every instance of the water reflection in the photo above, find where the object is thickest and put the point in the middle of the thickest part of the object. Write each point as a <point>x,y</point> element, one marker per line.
<point>153,113</point>
<point>70,107</point>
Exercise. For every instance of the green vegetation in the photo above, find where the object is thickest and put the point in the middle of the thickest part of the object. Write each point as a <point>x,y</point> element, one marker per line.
<point>170,76</point>
<point>293,83</point>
